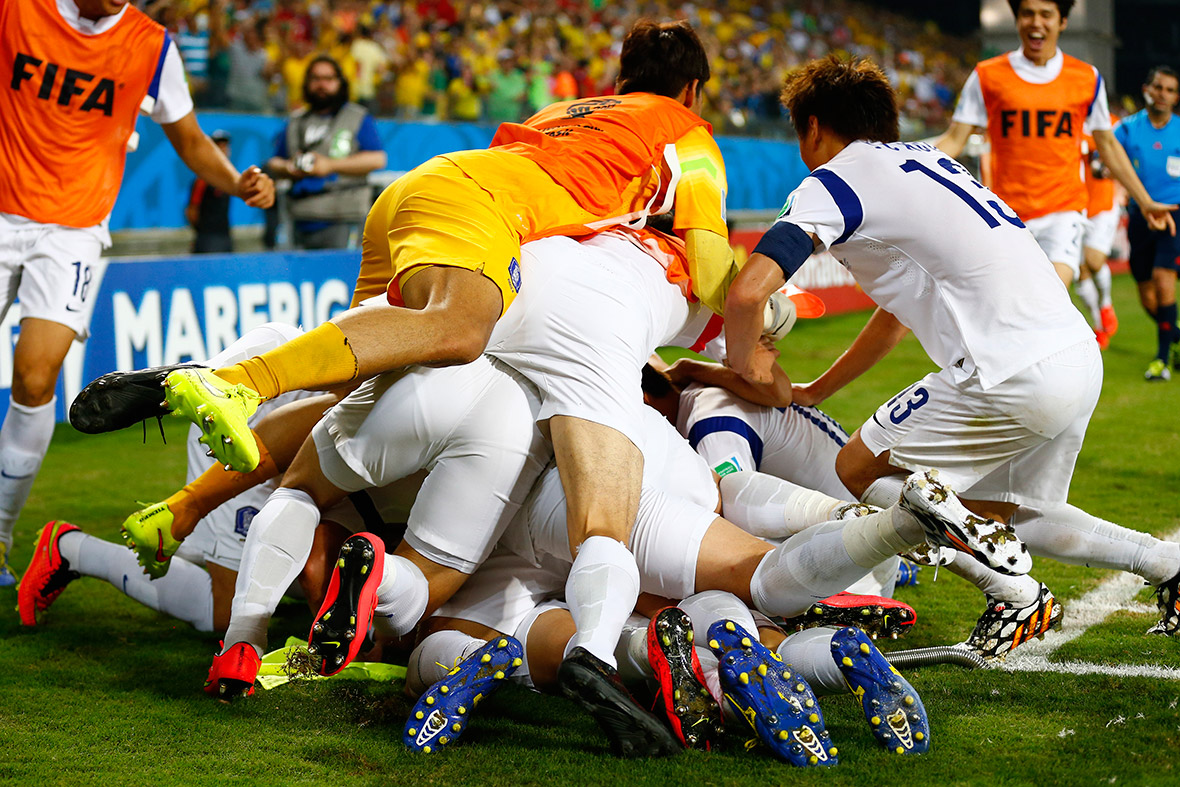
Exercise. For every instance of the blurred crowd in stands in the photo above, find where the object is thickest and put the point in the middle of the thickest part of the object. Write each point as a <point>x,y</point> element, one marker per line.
<point>498,61</point>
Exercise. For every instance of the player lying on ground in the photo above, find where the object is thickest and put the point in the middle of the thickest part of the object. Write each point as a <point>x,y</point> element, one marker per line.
<point>800,444</point>
<point>681,546</point>
<point>1020,373</point>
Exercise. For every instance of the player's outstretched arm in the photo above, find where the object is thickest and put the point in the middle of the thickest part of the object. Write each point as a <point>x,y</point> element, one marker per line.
<point>203,157</point>
<point>955,139</point>
<point>879,336</point>
<point>1158,215</point>
<point>776,393</point>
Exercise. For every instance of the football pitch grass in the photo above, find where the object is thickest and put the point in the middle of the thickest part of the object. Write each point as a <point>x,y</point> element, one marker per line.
<point>108,692</point>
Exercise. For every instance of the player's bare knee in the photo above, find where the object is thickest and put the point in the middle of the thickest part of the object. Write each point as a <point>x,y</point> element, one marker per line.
<point>33,384</point>
<point>852,470</point>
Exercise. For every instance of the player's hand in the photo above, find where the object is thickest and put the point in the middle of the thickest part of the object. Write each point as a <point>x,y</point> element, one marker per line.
<point>680,373</point>
<point>761,367</point>
<point>806,394</point>
<point>256,188</point>
<point>1159,216</point>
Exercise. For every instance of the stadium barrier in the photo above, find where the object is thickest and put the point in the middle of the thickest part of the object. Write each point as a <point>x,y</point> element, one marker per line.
<point>760,172</point>
<point>163,310</point>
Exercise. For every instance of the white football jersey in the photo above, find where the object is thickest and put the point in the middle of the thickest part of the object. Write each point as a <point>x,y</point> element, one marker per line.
<point>942,253</point>
<point>798,444</point>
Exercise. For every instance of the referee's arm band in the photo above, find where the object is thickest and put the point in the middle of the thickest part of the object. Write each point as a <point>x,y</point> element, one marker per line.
<point>787,245</point>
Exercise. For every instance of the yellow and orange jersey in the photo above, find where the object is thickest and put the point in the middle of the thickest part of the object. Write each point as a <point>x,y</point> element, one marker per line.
<point>702,187</point>
<point>616,156</point>
<point>1099,190</point>
<point>68,105</point>
<point>1036,132</point>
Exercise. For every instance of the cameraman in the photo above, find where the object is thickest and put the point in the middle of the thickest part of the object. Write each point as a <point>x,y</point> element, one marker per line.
<point>327,148</point>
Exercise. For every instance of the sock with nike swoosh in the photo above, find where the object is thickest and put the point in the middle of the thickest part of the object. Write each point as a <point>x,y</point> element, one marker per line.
<point>185,592</point>
<point>24,439</point>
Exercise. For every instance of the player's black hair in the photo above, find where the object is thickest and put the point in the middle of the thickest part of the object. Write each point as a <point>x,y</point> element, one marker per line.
<point>341,97</point>
<point>655,383</point>
<point>853,98</point>
<point>1063,6</point>
<point>1167,71</point>
<point>661,58</point>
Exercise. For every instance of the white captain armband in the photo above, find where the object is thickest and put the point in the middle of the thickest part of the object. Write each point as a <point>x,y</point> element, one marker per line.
<point>787,245</point>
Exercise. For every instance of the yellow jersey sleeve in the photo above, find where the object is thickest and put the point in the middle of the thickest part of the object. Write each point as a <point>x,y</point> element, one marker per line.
<point>711,267</point>
<point>700,217</point>
<point>700,194</point>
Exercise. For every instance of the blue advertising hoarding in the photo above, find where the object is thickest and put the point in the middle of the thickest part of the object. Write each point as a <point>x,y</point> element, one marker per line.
<point>166,310</point>
<point>761,172</point>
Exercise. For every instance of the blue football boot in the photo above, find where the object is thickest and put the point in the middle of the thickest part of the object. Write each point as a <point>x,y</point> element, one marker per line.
<point>907,574</point>
<point>778,704</point>
<point>893,709</point>
<point>442,712</point>
<point>8,577</point>
<point>729,635</point>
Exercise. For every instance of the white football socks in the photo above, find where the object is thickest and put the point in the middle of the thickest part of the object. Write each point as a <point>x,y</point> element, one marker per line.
<point>631,652</point>
<point>185,592</point>
<point>24,439</point>
<point>884,492</point>
<point>601,591</point>
<point>437,655</point>
<point>827,558</point>
<point>402,597</point>
<point>1021,590</point>
<point>1102,281</point>
<point>704,609</point>
<point>1067,533</point>
<point>709,606</point>
<point>1087,292</point>
<point>878,582</point>
<point>809,653</point>
<point>276,549</point>
<point>770,507</point>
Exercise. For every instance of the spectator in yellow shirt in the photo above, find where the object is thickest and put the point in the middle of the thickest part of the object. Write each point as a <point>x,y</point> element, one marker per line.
<point>465,96</point>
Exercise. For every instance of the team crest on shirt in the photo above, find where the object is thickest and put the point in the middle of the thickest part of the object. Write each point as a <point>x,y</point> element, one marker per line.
<point>514,275</point>
<point>583,108</point>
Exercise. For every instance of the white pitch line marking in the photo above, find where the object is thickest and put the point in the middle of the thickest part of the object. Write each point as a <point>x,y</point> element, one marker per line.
<point>1113,595</point>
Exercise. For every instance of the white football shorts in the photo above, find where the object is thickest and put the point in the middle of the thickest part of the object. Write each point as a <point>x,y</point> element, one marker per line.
<point>585,324</point>
<point>504,590</point>
<point>471,426</point>
<point>676,506</point>
<point>55,272</point>
<point>1060,237</point>
<point>1100,231</point>
<point>1016,442</point>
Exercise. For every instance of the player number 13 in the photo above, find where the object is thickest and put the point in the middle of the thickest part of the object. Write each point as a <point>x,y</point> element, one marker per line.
<point>954,168</point>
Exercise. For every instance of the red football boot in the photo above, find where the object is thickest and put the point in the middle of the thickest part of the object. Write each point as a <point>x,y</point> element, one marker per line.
<point>233,672</point>
<point>877,616</point>
<point>692,712</point>
<point>47,575</point>
<point>342,624</point>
